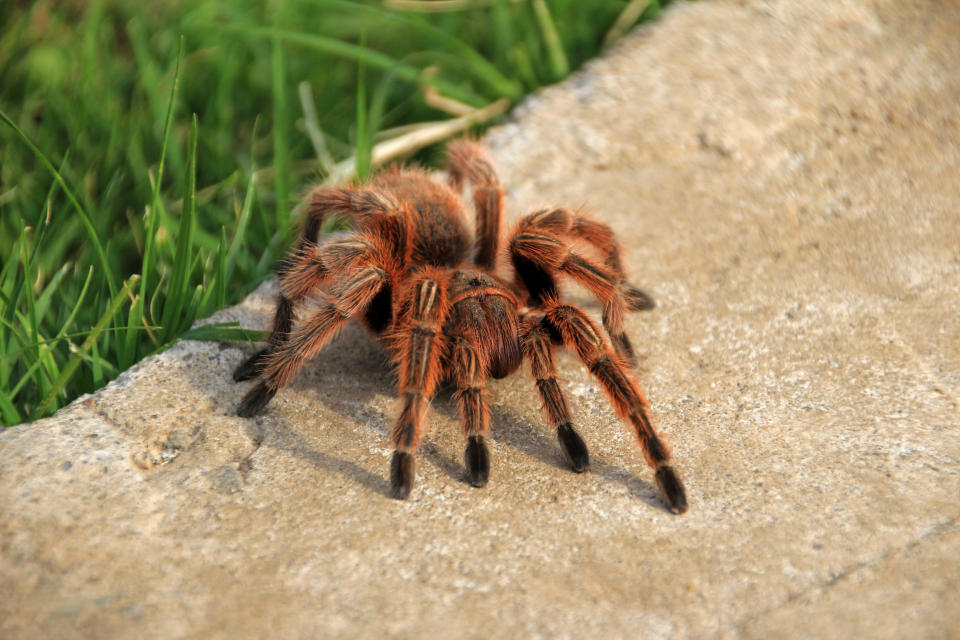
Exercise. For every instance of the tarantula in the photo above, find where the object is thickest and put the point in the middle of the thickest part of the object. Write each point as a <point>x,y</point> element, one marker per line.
<point>410,268</point>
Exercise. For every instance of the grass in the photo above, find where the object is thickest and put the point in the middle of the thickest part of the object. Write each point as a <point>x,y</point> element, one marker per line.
<point>151,154</point>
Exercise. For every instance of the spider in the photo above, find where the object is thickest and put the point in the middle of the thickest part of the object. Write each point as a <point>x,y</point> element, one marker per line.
<point>412,271</point>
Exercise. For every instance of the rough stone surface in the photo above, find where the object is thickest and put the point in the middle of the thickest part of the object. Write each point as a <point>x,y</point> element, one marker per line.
<point>784,176</point>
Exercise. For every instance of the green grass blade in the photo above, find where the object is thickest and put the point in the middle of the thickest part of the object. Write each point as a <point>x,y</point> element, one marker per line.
<point>183,261</point>
<point>77,306</point>
<point>311,125</point>
<point>551,38</point>
<point>48,346</point>
<point>225,331</point>
<point>146,67</point>
<point>168,121</point>
<point>10,414</point>
<point>240,233</point>
<point>8,275</point>
<point>220,288</point>
<point>10,287</point>
<point>30,322</point>
<point>135,317</point>
<point>481,68</point>
<point>364,140</point>
<point>281,144</point>
<point>46,296</point>
<point>68,336</point>
<point>96,366</point>
<point>91,233</point>
<point>50,399</point>
<point>627,18</point>
<point>354,52</point>
<point>24,379</point>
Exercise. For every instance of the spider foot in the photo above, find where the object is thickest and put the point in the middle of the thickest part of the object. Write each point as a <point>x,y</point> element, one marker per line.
<point>250,369</point>
<point>477,460</point>
<point>574,448</point>
<point>672,488</point>
<point>401,475</point>
<point>255,400</point>
<point>638,300</point>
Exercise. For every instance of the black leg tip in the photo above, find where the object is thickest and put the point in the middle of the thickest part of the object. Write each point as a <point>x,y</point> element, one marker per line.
<point>477,460</point>
<point>638,300</point>
<point>401,475</point>
<point>250,369</point>
<point>574,448</point>
<point>255,400</point>
<point>672,488</point>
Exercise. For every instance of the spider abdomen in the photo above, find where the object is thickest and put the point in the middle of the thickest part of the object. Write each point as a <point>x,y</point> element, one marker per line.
<point>439,231</point>
<point>441,238</point>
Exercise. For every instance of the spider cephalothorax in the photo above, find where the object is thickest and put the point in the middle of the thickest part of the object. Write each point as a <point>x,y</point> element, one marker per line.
<point>412,271</point>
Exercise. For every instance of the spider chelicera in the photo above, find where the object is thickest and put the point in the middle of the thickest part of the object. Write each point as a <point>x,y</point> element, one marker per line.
<point>412,271</point>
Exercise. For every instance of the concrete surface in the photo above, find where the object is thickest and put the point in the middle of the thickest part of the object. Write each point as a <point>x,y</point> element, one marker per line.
<point>784,176</point>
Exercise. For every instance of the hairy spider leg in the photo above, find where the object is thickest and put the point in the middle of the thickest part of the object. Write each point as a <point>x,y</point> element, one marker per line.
<point>583,336</point>
<point>627,297</point>
<point>537,339</point>
<point>417,344</point>
<point>483,341</point>
<point>348,297</point>
<point>304,269</point>
<point>601,236</point>
<point>469,378</point>
<point>301,271</point>
<point>467,161</point>
<point>542,244</point>
<point>302,263</point>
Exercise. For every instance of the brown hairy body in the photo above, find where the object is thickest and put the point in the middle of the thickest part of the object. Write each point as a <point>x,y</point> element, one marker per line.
<point>411,269</point>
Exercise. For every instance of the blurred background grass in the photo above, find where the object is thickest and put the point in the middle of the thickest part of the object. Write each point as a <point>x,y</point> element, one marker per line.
<point>151,153</point>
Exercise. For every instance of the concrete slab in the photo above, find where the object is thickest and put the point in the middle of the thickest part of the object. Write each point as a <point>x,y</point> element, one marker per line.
<point>784,177</point>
